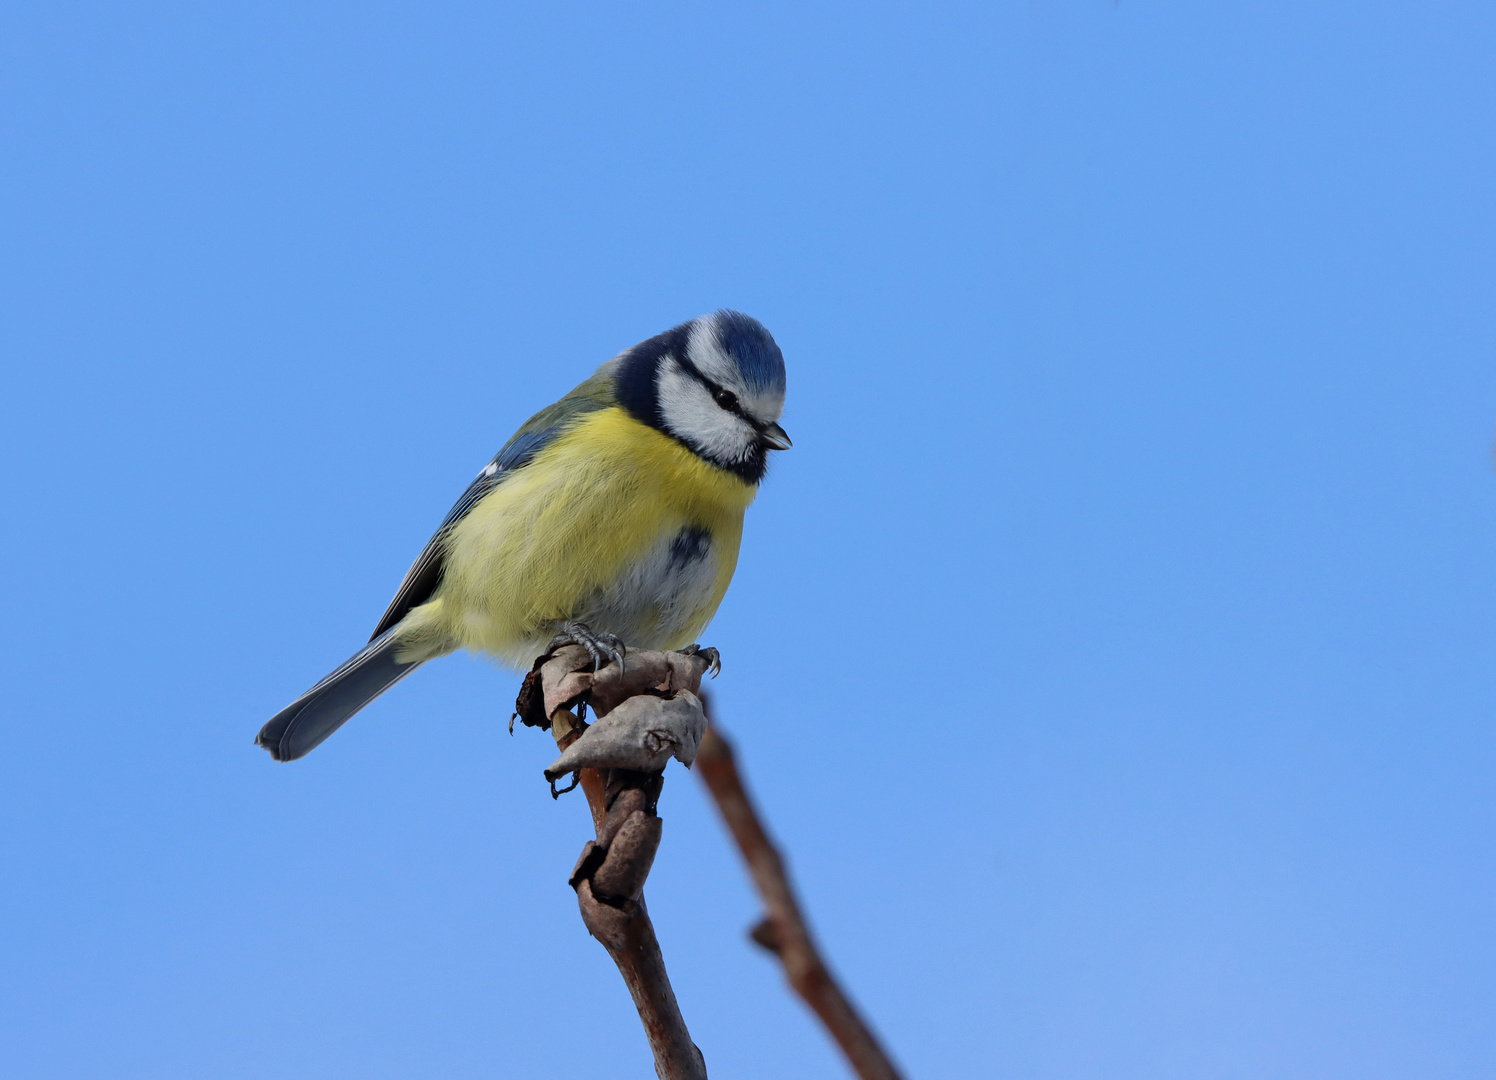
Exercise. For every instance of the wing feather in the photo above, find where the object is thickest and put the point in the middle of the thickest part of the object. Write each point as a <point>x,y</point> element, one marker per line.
<point>425,574</point>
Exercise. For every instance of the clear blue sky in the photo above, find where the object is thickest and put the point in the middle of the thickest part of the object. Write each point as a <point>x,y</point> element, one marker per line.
<point>1113,652</point>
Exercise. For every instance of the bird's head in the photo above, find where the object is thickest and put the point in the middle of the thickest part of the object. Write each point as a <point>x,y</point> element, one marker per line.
<point>715,384</point>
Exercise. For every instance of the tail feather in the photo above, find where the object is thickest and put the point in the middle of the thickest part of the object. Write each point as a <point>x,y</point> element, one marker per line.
<point>302,725</point>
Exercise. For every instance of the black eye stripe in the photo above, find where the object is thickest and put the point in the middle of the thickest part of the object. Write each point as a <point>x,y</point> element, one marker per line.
<point>717,391</point>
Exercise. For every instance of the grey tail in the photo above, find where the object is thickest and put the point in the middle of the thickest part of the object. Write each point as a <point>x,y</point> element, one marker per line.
<point>302,725</point>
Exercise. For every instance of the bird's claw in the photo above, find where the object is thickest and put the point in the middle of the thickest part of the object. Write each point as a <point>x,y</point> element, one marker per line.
<point>576,778</point>
<point>598,646</point>
<point>712,657</point>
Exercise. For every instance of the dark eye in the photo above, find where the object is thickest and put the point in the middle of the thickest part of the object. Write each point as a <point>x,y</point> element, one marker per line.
<point>726,398</point>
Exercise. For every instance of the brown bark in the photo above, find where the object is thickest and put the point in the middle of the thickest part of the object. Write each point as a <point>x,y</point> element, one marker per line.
<point>783,930</point>
<point>609,881</point>
<point>661,689</point>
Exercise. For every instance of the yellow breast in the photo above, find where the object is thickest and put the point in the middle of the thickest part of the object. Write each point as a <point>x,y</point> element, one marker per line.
<point>568,526</point>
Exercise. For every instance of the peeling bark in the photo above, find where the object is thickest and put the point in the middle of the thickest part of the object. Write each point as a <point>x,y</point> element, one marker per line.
<point>648,714</point>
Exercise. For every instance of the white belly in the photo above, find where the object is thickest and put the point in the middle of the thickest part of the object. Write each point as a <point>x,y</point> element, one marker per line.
<point>653,604</point>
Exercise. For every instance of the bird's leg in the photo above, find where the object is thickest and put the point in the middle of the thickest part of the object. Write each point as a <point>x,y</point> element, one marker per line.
<point>712,657</point>
<point>597,645</point>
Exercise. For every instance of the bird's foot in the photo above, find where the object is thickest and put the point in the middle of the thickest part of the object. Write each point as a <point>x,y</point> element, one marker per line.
<point>712,657</point>
<point>598,646</point>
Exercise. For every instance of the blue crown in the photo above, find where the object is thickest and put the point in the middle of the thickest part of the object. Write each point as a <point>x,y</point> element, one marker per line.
<point>751,346</point>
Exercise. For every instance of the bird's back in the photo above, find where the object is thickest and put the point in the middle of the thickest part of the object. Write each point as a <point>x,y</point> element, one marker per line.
<point>612,523</point>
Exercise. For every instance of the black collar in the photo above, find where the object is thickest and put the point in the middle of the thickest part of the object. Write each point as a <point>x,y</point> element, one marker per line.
<point>637,387</point>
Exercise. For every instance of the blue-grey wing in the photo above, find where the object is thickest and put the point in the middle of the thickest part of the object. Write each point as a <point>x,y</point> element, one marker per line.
<point>425,574</point>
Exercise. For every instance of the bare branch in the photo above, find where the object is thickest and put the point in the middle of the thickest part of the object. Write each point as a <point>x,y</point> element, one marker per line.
<point>783,930</point>
<point>627,840</point>
<point>647,714</point>
<point>659,716</point>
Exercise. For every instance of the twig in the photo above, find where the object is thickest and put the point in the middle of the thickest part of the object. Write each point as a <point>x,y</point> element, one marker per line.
<point>783,930</point>
<point>609,877</point>
<point>609,880</point>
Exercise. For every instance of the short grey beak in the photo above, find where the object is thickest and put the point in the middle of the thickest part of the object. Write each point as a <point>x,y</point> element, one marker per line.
<point>776,438</point>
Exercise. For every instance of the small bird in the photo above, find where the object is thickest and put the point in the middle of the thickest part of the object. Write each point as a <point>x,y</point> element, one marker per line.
<point>610,519</point>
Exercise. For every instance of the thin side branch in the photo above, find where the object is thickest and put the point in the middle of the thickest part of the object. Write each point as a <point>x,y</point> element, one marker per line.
<point>783,930</point>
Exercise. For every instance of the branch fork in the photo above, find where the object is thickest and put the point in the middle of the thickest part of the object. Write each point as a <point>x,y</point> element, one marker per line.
<point>646,715</point>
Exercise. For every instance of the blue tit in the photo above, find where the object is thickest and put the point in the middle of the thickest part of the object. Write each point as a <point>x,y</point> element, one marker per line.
<point>611,518</point>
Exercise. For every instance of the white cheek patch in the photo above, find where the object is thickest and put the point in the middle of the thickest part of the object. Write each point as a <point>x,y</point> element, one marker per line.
<point>687,408</point>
